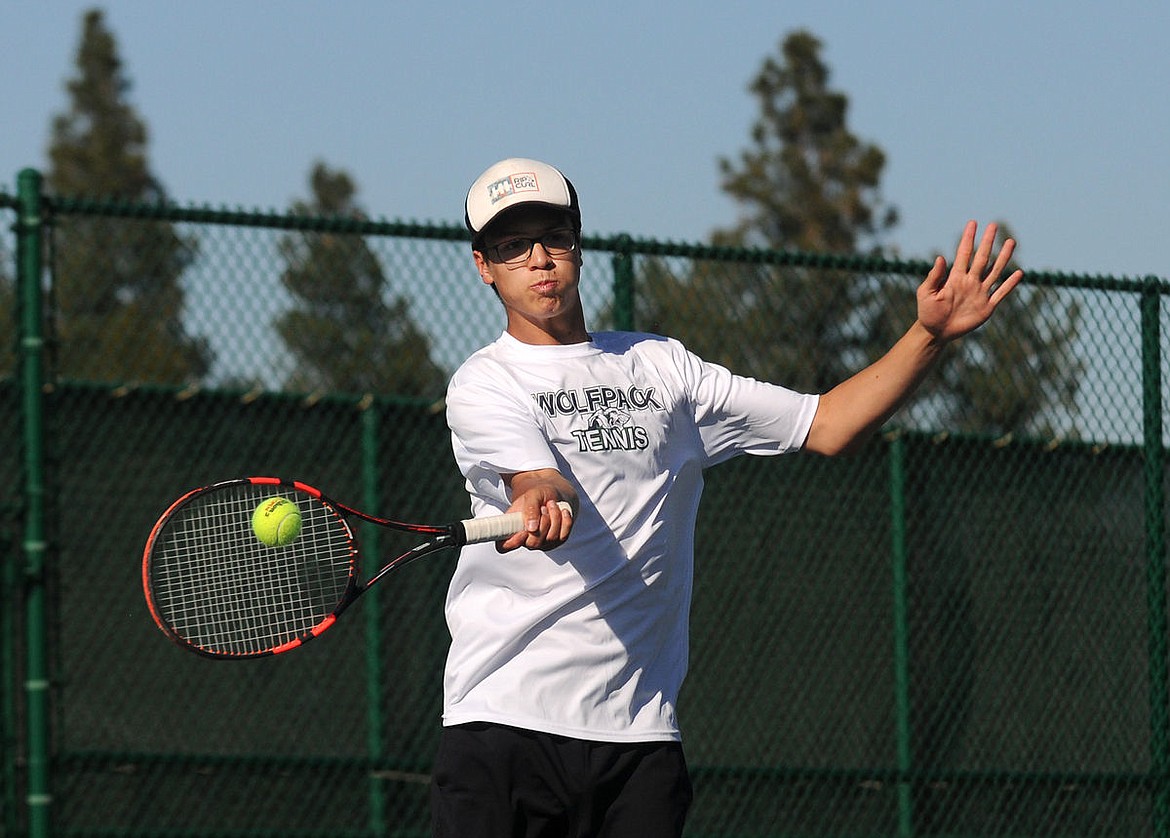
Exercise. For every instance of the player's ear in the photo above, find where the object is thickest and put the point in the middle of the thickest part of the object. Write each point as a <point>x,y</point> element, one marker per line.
<point>481,265</point>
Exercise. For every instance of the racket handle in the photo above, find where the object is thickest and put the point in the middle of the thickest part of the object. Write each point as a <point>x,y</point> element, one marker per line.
<point>496,527</point>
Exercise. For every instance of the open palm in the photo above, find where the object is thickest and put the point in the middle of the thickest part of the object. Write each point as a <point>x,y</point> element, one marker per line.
<point>952,304</point>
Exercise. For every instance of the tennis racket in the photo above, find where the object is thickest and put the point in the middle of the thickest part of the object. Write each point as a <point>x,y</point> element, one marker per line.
<point>215,588</point>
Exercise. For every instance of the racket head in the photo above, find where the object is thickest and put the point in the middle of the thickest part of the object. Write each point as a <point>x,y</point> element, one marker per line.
<point>215,589</point>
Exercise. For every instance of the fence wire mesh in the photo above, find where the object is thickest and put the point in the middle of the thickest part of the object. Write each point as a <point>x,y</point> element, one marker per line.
<point>959,631</point>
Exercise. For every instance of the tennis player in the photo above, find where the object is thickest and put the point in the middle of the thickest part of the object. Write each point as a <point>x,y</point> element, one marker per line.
<point>567,657</point>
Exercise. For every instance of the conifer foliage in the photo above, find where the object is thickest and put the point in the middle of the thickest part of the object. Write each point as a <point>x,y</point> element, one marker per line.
<point>345,332</point>
<point>117,297</point>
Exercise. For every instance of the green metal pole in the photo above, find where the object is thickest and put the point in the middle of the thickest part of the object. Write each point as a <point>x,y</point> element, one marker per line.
<point>623,286</point>
<point>901,634</point>
<point>30,233</point>
<point>1154,463</point>
<point>374,721</point>
<point>8,587</point>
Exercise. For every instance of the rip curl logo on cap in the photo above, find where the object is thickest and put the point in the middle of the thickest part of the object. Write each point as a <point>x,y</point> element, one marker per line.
<point>510,185</point>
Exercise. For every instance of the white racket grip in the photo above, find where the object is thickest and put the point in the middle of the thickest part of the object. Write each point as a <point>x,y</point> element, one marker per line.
<point>496,527</point>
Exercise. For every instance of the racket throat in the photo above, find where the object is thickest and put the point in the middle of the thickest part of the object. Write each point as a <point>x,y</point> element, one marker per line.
<point>440,542</point>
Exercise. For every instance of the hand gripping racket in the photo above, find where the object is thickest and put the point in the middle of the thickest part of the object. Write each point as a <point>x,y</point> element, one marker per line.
<point>215,588</point>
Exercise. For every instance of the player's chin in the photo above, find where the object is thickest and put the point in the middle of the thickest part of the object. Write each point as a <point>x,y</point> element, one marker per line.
<point>553,301</point>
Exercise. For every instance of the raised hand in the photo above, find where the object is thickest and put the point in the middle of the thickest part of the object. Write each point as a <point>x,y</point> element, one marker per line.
<point>952,304</point>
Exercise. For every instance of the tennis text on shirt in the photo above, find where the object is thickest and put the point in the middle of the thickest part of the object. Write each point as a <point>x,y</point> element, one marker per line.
<point>610,410</point>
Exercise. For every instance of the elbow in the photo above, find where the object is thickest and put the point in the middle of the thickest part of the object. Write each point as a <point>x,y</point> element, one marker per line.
<point>830,440</point>
<point>831,447</point>
<point>839,428</point>
<point>843,448</point>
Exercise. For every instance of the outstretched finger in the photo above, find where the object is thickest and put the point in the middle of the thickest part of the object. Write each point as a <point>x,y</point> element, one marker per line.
<point>983,254</point>
<point>1004,288</point>
<point>937,277</point>
<point>966,248</point>
<point>1002,260</point>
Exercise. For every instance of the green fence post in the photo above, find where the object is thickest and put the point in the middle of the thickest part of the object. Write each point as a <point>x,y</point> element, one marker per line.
<point>901,634</point>
<point>623,285</point>
<point>371,497</point>
<point>1154,462</point>
<point>29,236</point>
<point>8,587</point>
<point>8,749</point>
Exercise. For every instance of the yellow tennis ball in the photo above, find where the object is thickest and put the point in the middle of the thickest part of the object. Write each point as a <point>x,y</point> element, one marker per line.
<point>277,522</point>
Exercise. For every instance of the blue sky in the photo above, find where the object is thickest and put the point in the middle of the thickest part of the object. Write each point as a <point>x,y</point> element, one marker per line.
<point>1051,115</point>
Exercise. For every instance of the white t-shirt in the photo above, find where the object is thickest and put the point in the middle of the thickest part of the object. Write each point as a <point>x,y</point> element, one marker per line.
<point>590,640</point>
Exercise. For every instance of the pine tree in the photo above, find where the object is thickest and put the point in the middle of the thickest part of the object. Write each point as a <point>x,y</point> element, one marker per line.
<point>117,298</point>
<point>807,183</point>
<point>343,333</point>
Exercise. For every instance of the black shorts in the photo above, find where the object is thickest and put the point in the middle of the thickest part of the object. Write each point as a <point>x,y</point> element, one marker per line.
<point>498,782</point>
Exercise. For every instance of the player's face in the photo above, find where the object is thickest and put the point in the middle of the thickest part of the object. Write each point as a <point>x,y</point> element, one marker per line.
<point>533,258</point>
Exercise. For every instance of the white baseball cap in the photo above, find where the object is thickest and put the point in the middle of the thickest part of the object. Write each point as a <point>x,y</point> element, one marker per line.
<point>515,181</point>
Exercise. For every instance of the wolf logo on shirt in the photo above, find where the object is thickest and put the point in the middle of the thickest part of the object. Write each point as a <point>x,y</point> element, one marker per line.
<point>610,429</point>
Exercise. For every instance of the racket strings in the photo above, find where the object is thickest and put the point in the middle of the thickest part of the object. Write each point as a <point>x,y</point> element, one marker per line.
<point>221,589</point>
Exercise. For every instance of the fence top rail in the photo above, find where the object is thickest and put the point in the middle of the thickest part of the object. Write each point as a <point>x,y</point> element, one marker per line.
<point>362,402</point>
<point>618,244</point>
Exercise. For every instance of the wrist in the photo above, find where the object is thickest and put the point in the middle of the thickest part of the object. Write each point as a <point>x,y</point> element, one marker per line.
<point>929,340</point>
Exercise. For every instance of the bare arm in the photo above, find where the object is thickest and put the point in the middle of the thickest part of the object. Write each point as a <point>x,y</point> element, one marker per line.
<point>535,494</point>
<point>950,305</point>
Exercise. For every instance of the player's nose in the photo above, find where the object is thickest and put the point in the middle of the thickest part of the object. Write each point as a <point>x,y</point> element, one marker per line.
<point>539,257</point>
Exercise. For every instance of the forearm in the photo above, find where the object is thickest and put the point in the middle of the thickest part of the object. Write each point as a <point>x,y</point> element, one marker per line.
<point>542,485</point>
<point>853,410</point>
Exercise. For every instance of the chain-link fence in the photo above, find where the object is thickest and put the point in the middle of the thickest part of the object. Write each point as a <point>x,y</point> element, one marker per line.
<point>959,631</point>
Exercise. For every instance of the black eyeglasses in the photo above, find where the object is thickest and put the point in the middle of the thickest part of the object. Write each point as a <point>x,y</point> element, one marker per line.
<point>514,251</point>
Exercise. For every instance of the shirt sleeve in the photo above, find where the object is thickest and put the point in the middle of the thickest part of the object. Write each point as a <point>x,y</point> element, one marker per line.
<point>740,415</point>
<point>494,432</point>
